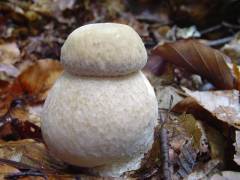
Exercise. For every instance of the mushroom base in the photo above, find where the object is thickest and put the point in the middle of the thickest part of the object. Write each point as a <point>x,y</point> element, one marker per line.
<point>104,124</point>
<point>117,169</point>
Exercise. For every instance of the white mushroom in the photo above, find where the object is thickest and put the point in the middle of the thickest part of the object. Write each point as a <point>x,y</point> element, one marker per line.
<point>104,49</point>
<point>104,123</point>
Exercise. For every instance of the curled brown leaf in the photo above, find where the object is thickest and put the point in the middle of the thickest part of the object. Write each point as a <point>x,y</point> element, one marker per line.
<point>200,59</point>
<point>37,79</point>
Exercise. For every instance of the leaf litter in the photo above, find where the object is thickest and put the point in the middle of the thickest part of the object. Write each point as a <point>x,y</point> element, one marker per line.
<point>196,137</point>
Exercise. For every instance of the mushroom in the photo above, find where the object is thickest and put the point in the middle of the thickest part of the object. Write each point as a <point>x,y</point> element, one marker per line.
<point>101,113</point>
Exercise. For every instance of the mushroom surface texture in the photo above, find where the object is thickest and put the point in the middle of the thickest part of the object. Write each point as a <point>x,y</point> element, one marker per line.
<point>102,122</point>
<point>104,49</point>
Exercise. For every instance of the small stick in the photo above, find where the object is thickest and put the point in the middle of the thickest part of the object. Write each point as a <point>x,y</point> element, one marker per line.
<point>27,173</point>
<point>164,146</point>
<point>211,29</point>
<point>219,42</point>
<point>232,26</point>
<point>165,154</point>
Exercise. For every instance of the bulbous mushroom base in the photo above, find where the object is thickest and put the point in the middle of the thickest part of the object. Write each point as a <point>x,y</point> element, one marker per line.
<point>106,124</point>
<point>117,169</point>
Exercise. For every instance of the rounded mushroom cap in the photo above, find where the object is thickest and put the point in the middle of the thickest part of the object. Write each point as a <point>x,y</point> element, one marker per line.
<point>99,121</point>
<point>104,49</point>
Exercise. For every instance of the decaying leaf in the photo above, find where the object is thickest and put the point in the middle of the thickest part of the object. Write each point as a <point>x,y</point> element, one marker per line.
<point>38,78</point>
<point>237,148</point>
<point>206,139</point>
<point>156,65</point>
<point>33,83</point>
<point>14,129</point>
<point>198,59</point>
<point>193,143</point>
<point>167,97</point>
<point>224,105</point>
<point>194,130</point>
<point>228,175</point>
<point>205,171</point>
<point>31,86</point>
<point>232,49</point>
<point>8,71</point>
<point>9,53</point>
<point>187,160</point>
<point>6,169</point>
<point>30,153</point>
<point>236,72</point>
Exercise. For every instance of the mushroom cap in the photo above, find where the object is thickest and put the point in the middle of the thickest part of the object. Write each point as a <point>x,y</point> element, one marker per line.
<point>103,49</point>
<point>93,121</point>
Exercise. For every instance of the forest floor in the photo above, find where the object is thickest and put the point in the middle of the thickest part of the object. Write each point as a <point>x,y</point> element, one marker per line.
<point>194,58</point>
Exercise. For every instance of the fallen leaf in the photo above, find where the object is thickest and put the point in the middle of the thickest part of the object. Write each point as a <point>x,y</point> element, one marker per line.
<point>5,99</point>
<point>199,59</point>
<point>223,105</point>
<point>232,49</point>
<point>181,33</point>
<point>9,53</point>
<point>37,79</point>
<point>8,71</point>
<point>6,169</point>
<point>31,85</point>
<point>237,75</point>
<point>155,65</point>
<point>205,141</point>
<point>35,113</point>
<point>14,129</point>
<point>205,171</point>
<point>195,130</point>
<point>167,97</point>
<point>226,175</point>
<point>187,160</point>
<point>209,142</point>
<point>6,131</point>
<point>31,154</point>
<point>237,147</point>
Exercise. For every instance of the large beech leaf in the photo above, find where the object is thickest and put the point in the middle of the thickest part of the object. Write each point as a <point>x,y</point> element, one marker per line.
<point>37,79</point>
<point>223,105</point>
<point>31,85</point>
<point>200,59</point>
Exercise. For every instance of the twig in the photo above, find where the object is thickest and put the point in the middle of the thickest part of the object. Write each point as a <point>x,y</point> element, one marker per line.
<point>165,154</point>
<point>27,173</point>
<point>164,146</point>
<point>211,29</point>
<point>18,165</point>
<point>219,42</point>
<point>232,26</point>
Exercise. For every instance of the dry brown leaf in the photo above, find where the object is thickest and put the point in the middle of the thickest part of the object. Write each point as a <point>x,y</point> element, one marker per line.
<point>30,153</point>
<point>199,59</point>
<point>224,105</point>
<point>38,78</point>
<point>4,97</point>
<point>31,85</point>
<point>35,81</point>
<point>237,148</point>
<point>156,65</point>
<point>207,140</point>
<point>9,53</point>
<point>6,169</point>
<point>226,175</point>
<point>14,129</point>
<point>8,71</point>
<point>205,171</point>
<point>237,75</point>
<point>31,156</point>
<point>232,49</point>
